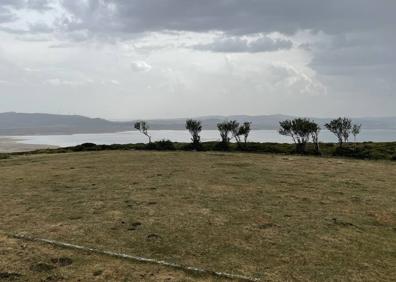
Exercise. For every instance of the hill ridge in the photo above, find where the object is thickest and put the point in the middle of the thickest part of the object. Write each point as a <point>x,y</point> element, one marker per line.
<point>13,123</point>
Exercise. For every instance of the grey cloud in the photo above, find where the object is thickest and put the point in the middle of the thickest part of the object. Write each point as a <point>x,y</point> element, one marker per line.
<point>40,27</point>
<point>38,4</point>
<point>8,7</point>
<point>27,4</point>
<point>241,45</point>
<point>232,16</point>
<point>351,44</point>
<point>12,3</point>
<point>368,55</point>
<point>236,18</point>
<point>6,15</point>
<point>61,46</point>
<point>32,33</point>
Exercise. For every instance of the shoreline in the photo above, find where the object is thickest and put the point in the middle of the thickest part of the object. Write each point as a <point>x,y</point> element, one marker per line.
<point>15,144</point>
<point>11,145</point>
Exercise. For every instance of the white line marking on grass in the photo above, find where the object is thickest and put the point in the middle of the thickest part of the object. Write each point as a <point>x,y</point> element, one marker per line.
<point>134,258</point>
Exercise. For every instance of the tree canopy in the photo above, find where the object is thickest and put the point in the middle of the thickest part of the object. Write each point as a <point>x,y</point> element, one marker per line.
<point>143,127</point>
<point>341,128</point>
<point>194,127</point>
<point>300,130</point>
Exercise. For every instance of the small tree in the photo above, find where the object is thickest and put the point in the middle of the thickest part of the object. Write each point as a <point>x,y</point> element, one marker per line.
<point>194,127</point>
<point>143,127</point>
<point>225,128</point>
<point>341,128</point>
<point>244,130</point>
<point>234,128</point>
<point>356,131</point>
<point>315,130</point>
<point>240,130</point>
<point>299,130</point>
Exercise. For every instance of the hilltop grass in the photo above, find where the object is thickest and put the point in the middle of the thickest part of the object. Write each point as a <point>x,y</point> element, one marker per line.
<point>269,216</point>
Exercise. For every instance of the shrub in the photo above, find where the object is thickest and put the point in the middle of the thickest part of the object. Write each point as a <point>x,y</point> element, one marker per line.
<point>192,147</point>
<point>163,145</point>
<point>4,156</point>
<point>273,148</point>
<point>221,146</point>
<point>142,146</point>
<point>359,153</point>
<point>86,147</point>
<point>209,146</point>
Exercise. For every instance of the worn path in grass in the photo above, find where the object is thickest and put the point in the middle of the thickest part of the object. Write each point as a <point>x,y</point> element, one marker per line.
<point>269,216</point>
<point>31,261</point>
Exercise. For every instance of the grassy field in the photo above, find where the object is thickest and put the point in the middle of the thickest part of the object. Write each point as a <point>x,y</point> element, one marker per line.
<point>272,217</point>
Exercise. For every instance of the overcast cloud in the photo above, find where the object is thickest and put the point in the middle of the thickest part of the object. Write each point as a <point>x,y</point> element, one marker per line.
<point>177,58</point>
<point>243,45</point>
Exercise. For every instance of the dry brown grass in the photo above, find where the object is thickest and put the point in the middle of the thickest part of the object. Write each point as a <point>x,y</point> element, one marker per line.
<point>272,217</point>
<point>28,261</point>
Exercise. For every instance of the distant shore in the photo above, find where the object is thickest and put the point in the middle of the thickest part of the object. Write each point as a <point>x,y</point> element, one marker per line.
<point>10,145</point>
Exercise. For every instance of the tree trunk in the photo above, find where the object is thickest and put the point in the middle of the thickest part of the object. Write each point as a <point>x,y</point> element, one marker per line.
<point>354,142</point>
<point>300,148</point>
<point>317,149</point>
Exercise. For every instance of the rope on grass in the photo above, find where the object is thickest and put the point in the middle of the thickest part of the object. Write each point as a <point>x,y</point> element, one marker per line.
<point>135,258</point>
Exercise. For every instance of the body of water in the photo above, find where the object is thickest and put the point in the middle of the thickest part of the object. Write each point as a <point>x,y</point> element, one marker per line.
<point>375,135</point>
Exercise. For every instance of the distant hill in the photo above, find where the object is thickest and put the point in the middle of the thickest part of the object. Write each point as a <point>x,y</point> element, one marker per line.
<point>210,122</point>
<point>267,122</point>
<point>30,124</point>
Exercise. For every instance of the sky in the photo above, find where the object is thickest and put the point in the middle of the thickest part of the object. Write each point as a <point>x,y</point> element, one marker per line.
<point>131,59</point>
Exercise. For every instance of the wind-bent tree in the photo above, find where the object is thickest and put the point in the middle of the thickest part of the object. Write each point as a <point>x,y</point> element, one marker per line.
<point>143,127</point>
<point>194,127</point>
<point>356,131</point>
<point>299,129</point>
<point>244,130</point>
<point>315,130</point>
<point>224,128</point>
<point>234,128</point>
<point>238,130</point>
<point>341,128</point>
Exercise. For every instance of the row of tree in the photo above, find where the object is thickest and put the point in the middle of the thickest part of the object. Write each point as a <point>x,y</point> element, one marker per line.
<point>227,129</point>
<point>301,130</point>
